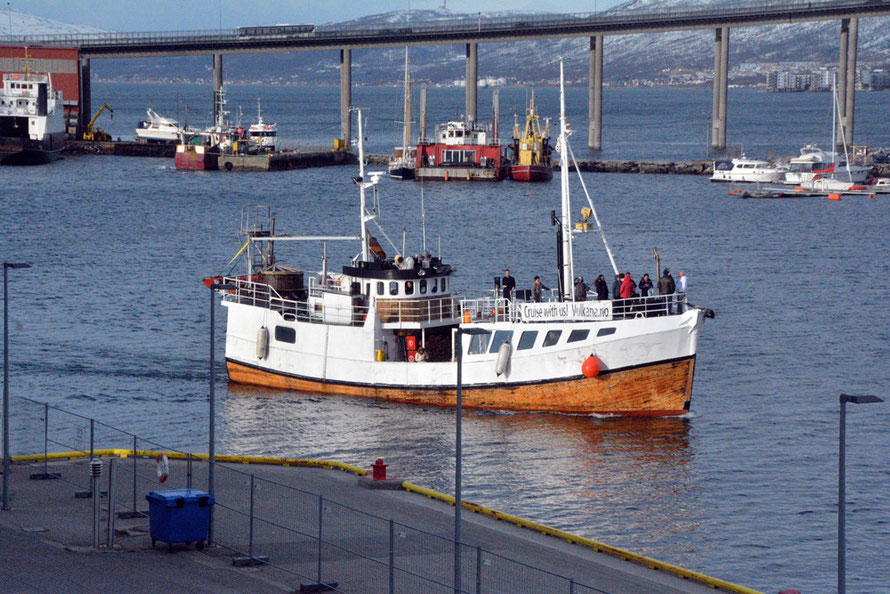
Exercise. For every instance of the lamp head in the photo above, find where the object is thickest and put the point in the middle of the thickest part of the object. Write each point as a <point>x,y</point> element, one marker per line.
<point>860,399</point>
<point>16,265</point>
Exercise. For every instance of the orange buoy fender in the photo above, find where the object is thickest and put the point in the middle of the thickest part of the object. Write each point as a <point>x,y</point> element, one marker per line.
<point>591,366</point>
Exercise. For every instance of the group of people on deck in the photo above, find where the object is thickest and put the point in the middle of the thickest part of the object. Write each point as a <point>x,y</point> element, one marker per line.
<point>624,287</point>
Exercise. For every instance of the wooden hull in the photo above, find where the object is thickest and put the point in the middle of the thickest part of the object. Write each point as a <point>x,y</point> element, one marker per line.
<point>658,389</point>
<point>531,173</point>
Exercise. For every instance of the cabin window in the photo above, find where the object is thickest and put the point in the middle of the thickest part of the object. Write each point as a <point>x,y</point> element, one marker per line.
<point>423,287</point>
<point>380,288</point>
<point>552,338</point>
<point>527,340</point>
<point>478,344</point>
<point>500,337</point>
<point>393,288</point>
<point>285,334</point>
<point>367,288</point>
<point>605,331</point>
<point>409,288</point>
<point>578,335</point>
<point>444,285</point>
<point>434,285</point>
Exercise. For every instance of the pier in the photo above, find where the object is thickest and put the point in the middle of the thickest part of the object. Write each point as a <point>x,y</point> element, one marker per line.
<point>285,525</point>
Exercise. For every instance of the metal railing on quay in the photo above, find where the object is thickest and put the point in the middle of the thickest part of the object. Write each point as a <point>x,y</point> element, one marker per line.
<point>292,531</point>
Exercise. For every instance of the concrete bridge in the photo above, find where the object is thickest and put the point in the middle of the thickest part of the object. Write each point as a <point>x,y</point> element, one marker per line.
<point>597,26</point>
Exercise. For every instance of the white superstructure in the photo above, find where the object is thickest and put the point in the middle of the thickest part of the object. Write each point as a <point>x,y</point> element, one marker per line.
<point>158,128</point>
<point>32,121</point>
<point>748,170</point>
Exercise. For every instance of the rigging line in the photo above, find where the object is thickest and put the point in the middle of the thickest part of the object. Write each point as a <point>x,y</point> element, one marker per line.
<point>385,236</point>
<point>593,209</point>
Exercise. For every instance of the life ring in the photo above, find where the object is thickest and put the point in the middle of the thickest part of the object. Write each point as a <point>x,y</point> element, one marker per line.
<point>163,467</point>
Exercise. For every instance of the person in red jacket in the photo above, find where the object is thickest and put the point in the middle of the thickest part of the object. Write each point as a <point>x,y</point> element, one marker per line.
<point>628,287</point>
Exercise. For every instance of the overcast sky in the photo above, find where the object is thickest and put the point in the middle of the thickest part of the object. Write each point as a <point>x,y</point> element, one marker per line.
<point>172,15</point>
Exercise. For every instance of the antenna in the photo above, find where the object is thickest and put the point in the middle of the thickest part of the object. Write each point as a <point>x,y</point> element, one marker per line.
<point>423,219</point>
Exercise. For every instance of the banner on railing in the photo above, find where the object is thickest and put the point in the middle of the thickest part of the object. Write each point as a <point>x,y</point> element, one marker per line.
<point>594,311</point>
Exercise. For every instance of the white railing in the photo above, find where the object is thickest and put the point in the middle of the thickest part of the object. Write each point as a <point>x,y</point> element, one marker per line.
<point>316,288</point>
<point>262,295</point>
<point>498,309</point>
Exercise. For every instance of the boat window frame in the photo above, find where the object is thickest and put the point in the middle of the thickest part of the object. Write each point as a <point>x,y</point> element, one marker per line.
<point>409,287</point>
<point>479,343</point>
<point>381,288</point>
<point>525,337</point>
<point>578,335</point>
<point>423,286</point>
<point>606,331</point>
<point>285,334</point>
<point>393,288</point>
<point>505,336</point>
<point>548,341</point>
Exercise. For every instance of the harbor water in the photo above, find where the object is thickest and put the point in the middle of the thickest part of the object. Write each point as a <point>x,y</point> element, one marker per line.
<point>112,322</point>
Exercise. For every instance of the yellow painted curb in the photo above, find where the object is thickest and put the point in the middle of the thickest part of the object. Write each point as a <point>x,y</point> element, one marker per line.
<point>580,540</point>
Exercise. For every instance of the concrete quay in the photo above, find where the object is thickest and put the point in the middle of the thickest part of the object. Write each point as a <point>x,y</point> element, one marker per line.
<point>373,540</point>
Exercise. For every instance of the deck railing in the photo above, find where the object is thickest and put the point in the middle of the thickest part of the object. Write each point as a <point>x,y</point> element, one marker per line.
<point>418,310</point>
<point>498,309</point>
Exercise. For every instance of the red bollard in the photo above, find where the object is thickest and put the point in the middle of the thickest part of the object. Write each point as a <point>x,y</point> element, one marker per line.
<point>378,470</point>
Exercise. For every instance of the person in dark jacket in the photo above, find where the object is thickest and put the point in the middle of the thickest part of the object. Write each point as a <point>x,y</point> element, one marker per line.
<point>616,286</point>
<point>666,288</point>
<point>538,289</point>
<point>645,285</point>
<point>602,289</point>
<point>508,284</point>
<point>581,289</point>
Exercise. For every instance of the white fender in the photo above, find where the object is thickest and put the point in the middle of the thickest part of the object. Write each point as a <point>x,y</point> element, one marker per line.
<point>262,343</point>
<point>503,358</point>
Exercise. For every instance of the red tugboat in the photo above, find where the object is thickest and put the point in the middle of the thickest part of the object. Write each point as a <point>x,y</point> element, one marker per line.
<point>462,150</point>
<point>531,151</point>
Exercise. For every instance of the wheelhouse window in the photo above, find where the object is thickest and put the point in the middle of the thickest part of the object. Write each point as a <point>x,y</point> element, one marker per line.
<point>409,287</point>
<point>479,344</point>
<point>527,340</point>
<point>578,335</point>
<point>552,337</point>
<point>393,288</point>
<point>423,287</point>
<point>500,337</point>
<point>444,285</point>
<point>380,288</point>
<point>434,285</point>
<point>285,334</point>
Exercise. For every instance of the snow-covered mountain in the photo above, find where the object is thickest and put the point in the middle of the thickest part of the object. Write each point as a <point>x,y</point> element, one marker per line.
<point>627,57</point>
<point>20,23</point>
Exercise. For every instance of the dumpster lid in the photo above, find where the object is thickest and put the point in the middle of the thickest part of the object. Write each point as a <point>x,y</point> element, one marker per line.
<point>189,495</point>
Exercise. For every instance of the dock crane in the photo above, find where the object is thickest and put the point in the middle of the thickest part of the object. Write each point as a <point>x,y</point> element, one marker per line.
<point>95,133</point>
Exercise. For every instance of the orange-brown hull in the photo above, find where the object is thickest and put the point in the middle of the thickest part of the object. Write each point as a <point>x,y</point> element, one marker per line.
<point>659,389</point>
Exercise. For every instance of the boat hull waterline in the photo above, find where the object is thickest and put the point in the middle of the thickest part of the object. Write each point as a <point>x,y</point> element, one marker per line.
<point>656,389</point>
<point>531,173</point>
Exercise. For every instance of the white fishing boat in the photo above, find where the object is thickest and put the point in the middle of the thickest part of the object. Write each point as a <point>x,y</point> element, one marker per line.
<point>404,160</point>
<point>158,129</point>
<point>262,137</point>
<point>32,123</point>
<point>748,170</point>
<point>358,331</point>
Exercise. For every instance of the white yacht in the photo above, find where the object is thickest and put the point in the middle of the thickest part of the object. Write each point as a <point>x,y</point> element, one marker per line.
<point>815,163</point>
<point>158,129</point>
<point>262,137</point>
<point>748,170</point>
<point>358,331</point>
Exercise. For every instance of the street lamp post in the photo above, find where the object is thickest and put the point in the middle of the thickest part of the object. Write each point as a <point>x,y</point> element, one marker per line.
<point>214,287</point>
<point>841,487</point>
<point>458,449</point>
<point>6,266</point>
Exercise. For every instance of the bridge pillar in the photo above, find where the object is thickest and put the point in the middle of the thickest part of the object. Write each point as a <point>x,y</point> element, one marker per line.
<point>840,84</point>
<point>595,94</point>
<point>472,76</point>
<point>217,85</point>
<point>721,83</point>
<point>345,97</point>
<point>86,103</point>
<point>850,102</point>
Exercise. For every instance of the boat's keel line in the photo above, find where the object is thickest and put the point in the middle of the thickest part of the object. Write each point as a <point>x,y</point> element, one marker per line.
<point>656,389</point>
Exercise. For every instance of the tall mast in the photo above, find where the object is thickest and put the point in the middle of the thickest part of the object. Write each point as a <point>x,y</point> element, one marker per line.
<point>568,272</point>
<point>406,131</point>
<point>361,184</point>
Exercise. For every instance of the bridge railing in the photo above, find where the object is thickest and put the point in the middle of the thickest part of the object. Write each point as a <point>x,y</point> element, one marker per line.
<point>484,25</point>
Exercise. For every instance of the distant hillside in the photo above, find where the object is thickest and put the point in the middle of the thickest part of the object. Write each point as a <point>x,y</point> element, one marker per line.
<point>627,58</point>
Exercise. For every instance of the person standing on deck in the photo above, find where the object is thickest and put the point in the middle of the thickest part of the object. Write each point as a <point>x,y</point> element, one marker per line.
<point>681,291</point>
<point>581,289</point>
<point>616,286</point>
<point>666,287</point>
<point>645,285</point>
<point>602,289</point>
<point>508,285</point>
<point>538,289</point>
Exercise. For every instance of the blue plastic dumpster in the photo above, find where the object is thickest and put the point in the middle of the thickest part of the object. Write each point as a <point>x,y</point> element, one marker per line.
<point>179,516</point>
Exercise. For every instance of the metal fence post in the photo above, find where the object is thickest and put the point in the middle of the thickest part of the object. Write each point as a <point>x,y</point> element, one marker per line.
<point>392,558</point>
<point>188,483</point>
<point>250,525</point>
<point>92,435</point>
<point>320,513</point>
<point>95,473</point>
<point>478,570</point>
<point>135,445</point>
<point>571,585</point>
<point>109,539</point>
<point>45,437</point>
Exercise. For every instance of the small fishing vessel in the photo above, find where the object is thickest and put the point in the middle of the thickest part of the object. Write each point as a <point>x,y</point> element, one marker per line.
<point>404,160</point>
<point>358,331</point>
<point>201,151</point>
<point>748,170</point>
<point>262,137</point>
<point>158,129</point>
<point>531,148</point>
<point>32,122</point>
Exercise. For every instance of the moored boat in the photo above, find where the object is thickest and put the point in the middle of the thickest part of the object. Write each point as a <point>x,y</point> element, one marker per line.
<point>158,129</point>
<point>262,137</point>
<point>813,163</point>
<point>747,170</point>
<point>32,123</point>
<point>531,149</point>
<point>358,331</point>
<point>404,160</point>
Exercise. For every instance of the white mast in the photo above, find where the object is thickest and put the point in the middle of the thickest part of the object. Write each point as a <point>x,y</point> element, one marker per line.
<point>406,131</point>
<point>361,184</point>
<point>568,268</point>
